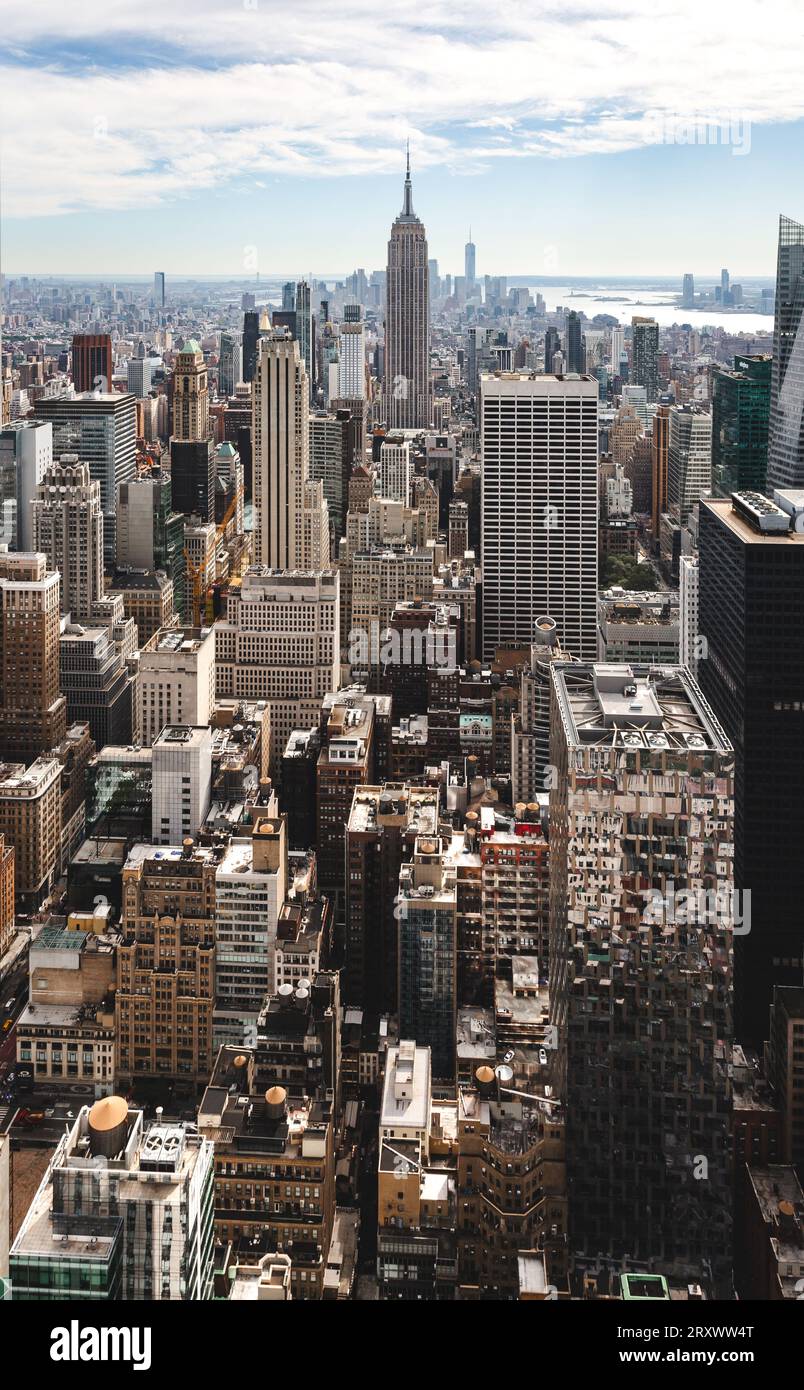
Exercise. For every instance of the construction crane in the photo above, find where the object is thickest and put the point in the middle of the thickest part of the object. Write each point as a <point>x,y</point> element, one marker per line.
<point>194,572</point>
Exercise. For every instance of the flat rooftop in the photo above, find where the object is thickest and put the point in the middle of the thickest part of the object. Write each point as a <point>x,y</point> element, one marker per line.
<point>400,1156</point>
<point>180,639</point>
<point>776,1187</point>
<point>635,706</point>
<point>723,508</point>
<point>532,1273</point>
<point>394,803</point>
<point>17,780</point>
<point>406,1089</point>
<point>541,383</point>
<point>80,1017</point>
<point>173,854</point>
<point>184,736</point>
<point>132,579</point>
<point>123,753</point>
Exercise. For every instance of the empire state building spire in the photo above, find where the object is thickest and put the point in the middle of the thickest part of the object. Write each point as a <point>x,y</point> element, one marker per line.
<point>408,395</point>
<point>407,204</point>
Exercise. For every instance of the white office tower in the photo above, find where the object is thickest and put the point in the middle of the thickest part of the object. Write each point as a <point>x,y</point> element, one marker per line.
<point>138,376</point>
<point>689,459</point>
<point>176,680</point>
<point>617,349</point>
<point>637,396</point>
<point>396,471</point>
<point>291,525</point>
<point>539,500</point>
<point>123,1213</point>
<point>280,642</point>
<point>352,355</point>
<point>251,883</point>
<point>68,529</point>
<point>26,452</point>
<point>182,782</point>
<point>407,322</point>
<point>689,648</point>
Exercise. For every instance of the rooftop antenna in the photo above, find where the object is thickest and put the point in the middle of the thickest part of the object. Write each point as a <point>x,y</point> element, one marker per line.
<point>407,207</point>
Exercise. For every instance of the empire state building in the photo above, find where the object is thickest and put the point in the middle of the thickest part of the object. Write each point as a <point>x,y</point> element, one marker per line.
<point>407,321</point>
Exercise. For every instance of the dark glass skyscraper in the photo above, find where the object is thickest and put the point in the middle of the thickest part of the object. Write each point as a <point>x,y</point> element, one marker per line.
<point>740,409</point>
<point>645,355</point>
<point>552,345</point>
<point>751,613</point>
<point>251,333</point>
<point>192,474</point>
<point>786,437</point>
<point>575,352</point>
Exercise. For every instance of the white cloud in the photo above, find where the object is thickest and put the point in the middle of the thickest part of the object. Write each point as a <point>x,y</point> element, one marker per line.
<point>186,97</point>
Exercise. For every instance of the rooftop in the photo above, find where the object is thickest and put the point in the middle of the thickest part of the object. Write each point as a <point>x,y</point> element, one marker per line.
<point>143,853</point>
<point>631,706</point>
<point>414,809</point>
<point>239,859</point>
<point>406,1088</point>
<point>644,1286</point>
<point>96,850</point>
<point>17,780</point>
<point>75,1017</point>
<point>163,1154</point>
<point>180,640</point>
<point>185,736</point>
<point>532,1273</point>
<point>132,579</point>
<point>772,527</point>
<point>270,1123</point>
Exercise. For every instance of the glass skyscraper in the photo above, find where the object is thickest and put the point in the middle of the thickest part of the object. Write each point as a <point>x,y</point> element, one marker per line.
<point>644,355</point>
<point>740,410</point>
<point>786,435</point>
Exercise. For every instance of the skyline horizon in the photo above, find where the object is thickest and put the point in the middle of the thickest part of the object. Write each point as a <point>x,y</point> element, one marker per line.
<point>601,278</point>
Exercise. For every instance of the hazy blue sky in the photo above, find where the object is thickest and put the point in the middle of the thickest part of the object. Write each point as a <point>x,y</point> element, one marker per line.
<point>226,135</point>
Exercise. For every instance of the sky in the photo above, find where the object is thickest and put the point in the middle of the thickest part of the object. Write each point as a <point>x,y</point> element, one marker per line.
<point>624,137</point>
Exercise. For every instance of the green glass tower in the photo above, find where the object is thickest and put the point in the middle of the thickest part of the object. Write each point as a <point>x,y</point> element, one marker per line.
<point>740,412</point>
